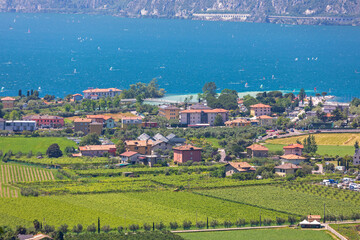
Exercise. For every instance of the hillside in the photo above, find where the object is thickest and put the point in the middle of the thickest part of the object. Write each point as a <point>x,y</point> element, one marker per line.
<point>258,10</point>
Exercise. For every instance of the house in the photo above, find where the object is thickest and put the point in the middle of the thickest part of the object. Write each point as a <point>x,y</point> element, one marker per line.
<point>312,218</point>
<point>293,149</point>
<point>149,160</point>
<point>292,158</point>
<point>161,142</point>
<point>202,117</point>
<point>76,97</point>
<point>186,153</point>
<point>107,121</point>
<point>143,147</point>
<point>240,122</point>
<point>46,121</point>
<point>87,126</point>
<point>257,150</point>
<point>8,102</point>
<point>20,125</point>
<point>329,107</point>
<point>356,158</point>
<point>286,169</point>
<point>131,121</point>
<point>265,120</point>
<point>199,106</point>
<point>149,125</point>
<point>169,112</point>
<point>130,157</point>
<point>241,105</point>
<point>310,113</point>
<point>97,150</point>
<point>92,93</point>
<point>39,237</point>
<point>238,167</point>
<point>260,109</point>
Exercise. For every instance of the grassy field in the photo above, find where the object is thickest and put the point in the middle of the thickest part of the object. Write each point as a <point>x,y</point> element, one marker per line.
<point>341,139</point>
<point>27,144</point>
<point>263,234</point>
<point>347,230</point>
<point>214,142</point>
<point>120,209</point>
<point>322,149</point>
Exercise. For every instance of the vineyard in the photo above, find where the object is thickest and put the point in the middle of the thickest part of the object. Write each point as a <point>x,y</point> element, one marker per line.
<point>63,161</point>
<point>11,174</point>
<point>291,199</point>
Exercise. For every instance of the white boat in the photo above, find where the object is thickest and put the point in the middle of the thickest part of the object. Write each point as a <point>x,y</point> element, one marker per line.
<point>111,68</point>
<point>246,85</point>
<point>272,77</point>
<point>261,86</point>
<point>2,89</point>
<point>75,72</point>
<point>296,59</point>
<point>39,89</point>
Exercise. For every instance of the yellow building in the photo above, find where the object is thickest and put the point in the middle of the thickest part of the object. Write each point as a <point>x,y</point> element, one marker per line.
<point>143,147</point>
<point>260,109</point>
<point>169,112</point>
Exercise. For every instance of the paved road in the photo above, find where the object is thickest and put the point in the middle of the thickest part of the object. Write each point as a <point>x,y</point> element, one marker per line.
<point>320,171</point>
<point>341,237</point>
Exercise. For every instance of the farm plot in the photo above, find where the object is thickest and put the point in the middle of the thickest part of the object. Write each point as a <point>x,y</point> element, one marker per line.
<point>122,209</point>
<point>285,200</point>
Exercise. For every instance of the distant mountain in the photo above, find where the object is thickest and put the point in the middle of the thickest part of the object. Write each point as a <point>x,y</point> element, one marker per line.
<point>291,11</point>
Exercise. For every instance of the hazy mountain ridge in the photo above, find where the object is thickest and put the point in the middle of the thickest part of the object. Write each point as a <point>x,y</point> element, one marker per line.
<point>258,9</point>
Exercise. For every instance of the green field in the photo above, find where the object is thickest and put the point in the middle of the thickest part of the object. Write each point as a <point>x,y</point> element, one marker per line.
<point>37,144</point>
<point>263,234</point>
<point>292,200</point>
<point>347,230</point>
<point>322,149</point>
<point>214,142</point>
<point>120,209</point>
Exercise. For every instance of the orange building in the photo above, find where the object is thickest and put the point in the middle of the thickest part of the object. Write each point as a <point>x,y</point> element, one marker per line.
<point>87,126</point>
<point>169,112</point>
<point>8,102</point>
<point>260,109</point>
<point>257,150</point>
<point>240,122</point>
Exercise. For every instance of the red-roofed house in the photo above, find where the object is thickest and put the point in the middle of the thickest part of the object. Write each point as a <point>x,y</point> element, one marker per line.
<point>202,116</point>
<point>292,158</point>
<point>286,168</point>
<point>238,167</point>
<point>257,150</point>
<point>97,150</point>
<point>131,121</point>
<point>46,121</point>
<point>260,109</point>
<point>265,120</point>
<point>8,102</point>
<point>186,153</point>
<point>107,121</point>
<point>99,93</point>
<point>293,149</point>
<point>130,157</point>
<point>77,97</point>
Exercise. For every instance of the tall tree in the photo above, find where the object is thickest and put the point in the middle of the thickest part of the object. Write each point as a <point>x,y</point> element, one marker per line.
<point>302,95</point>
<point>90,139</point>
<point>356,145</point>
<point>218,121</point>
<point>20,93</point>
<point>209,88</point>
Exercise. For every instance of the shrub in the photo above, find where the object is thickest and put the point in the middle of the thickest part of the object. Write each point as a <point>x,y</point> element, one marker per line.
<point>214,223</point>
<point>240,222</point>
<point>160,226</point>
<point>106,228</point>
<point>77,228</point>
<point>18,154</point>
<point>29,155</point>
<point>291,219</point>
<point>227,223</point>
<point>187,224</point>
<point>147,227</point>
<point>254,222</point>
<point>133,227</point>
<point>91,228</point>
<point>49,229</point>
<point>173,225</point>
<point>120,229</point>
<point>200,224</point>
<point>267,221</point>
<point>54,151</point>
<point>63,228</point>
<point>280,221</point>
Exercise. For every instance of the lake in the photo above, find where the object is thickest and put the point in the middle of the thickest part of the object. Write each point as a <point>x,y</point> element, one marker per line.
<point>65,54</point>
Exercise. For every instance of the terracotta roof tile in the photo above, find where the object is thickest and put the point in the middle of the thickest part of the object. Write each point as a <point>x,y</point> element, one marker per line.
<point>97,147</point>
<point>257,147</point>
<point>292,157</point>
<point>288,166</point>
<point>260,105</point>
<point>186,148</point>
<point>292,146</point>
<point>8,99</point>
<point>217,110</point>
<point>128,154</point>
<point>79,120</point>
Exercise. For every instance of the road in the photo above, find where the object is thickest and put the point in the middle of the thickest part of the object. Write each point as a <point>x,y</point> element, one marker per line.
<point>223,155</point>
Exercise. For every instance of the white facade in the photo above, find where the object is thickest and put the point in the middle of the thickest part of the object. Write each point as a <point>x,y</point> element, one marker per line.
<point>201,117</point>
<point>19,126</point>
<point>100,93</point>
<point>356,158</point>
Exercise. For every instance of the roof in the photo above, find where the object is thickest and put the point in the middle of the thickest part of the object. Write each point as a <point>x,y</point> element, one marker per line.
<point>292,146</point>
<point>39,236</point>
<point>260,105</point>
<point>98,117</point>
<point>238,120</point>
<point>77,94</point>
<point>217,110</point>
<point>187,148</point>
<point>98,90</point>
<point>292,157</point>
<point>143,136</point>
<point>242,166</point>
<point>128,154</point>
<point>199,106</point>
<point>165,107</point>
<point>8,99</point>
<point>97,147</point>
<point>314,216</point>
<point>160,137</point>
<point>257,147</point>
<point>170,136</point>
<point>79,120</point>
<point>265,117</point>
<point>141,143</point>
<point>288,166</point>
<point>131,118</point>
<point>41,117</point>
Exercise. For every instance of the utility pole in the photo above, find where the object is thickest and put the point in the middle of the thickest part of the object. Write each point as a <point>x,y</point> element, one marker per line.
<point>324,214</point>
<point>260,217</point>
<point>98,225</point>
<point>207,222</point>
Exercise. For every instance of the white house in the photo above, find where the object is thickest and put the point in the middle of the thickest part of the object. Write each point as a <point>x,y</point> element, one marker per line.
<point>19,125</point>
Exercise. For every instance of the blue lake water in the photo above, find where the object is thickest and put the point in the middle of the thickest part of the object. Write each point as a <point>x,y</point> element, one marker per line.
<point>66,54</point>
